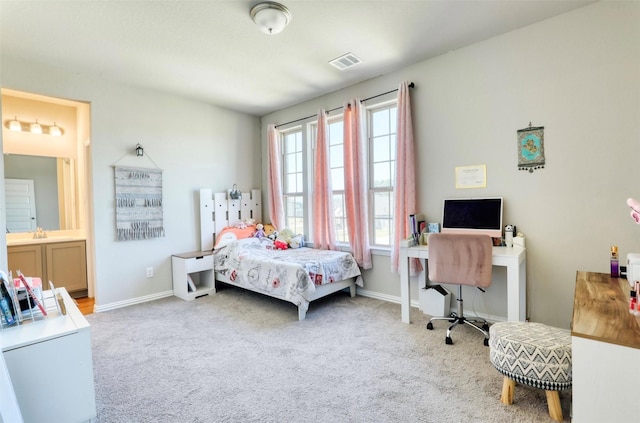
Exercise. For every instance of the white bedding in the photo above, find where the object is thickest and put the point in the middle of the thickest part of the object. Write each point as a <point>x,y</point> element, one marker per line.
<point>290,274</point>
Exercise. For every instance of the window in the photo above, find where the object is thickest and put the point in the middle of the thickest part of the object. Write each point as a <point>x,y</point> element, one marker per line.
<point>336,165</point>
<point>382,170</point>
<point>297,158</point>
<point>293,180</point>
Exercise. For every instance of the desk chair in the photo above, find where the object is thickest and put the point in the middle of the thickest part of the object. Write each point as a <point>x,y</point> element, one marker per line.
<point>462,259</point>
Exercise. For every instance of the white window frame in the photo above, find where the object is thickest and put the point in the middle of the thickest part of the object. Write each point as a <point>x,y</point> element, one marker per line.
<point>308,133</point>
<point>370,176</point>
<point>305,178</point>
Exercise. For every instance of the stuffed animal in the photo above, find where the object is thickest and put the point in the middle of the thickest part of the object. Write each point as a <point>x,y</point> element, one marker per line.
<point>280,245</point>
<point>244,224</point>
<point>635,209</point>
<point>259,231</point>
<point>285,235</point>
<point>296,242</point>
<point>269,231</point>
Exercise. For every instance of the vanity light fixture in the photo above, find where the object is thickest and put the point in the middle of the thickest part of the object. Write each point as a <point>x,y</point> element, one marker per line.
<point>139,150</point>
<point>54,130</point>
<point>33,127</point>
<point>36,128</point>
<point>14,125</point>
<point>271,17</point>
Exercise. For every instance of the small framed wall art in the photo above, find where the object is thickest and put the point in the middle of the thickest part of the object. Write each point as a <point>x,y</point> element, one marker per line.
<point>531,148</point>
<point>471,176</point>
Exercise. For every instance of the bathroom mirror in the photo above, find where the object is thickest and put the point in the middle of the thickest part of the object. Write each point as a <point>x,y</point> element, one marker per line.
<point>53,194</point>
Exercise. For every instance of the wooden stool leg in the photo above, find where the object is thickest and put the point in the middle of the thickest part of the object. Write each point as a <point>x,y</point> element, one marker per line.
<point>508,385</point>
<point>553,403</point>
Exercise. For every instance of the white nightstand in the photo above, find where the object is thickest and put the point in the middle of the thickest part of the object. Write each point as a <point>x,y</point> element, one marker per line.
<point>197,266</point>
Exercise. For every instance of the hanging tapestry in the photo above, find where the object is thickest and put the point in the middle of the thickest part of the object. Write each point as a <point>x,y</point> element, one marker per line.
<point>138,203</point>
<point>531,148</point>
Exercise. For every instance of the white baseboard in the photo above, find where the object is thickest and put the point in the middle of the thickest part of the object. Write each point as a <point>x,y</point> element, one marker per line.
<point>416,304</point>
<point>132,301</point>
<point>383,297</point>
<point>360,291</point>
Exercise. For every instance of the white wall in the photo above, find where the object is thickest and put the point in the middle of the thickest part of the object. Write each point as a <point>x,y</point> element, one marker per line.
<point>578,75</point>
<point>196,144</point>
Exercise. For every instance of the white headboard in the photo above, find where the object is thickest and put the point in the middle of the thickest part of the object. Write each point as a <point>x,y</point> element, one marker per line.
<point>218,211</point>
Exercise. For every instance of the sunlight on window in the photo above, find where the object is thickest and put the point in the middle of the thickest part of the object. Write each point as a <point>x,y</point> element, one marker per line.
<point>293,181</point>
<point>382,170</point>
<point>336,164</point>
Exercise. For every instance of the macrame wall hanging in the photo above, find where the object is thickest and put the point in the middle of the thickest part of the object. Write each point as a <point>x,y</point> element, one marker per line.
<point>138,203</point>
<point>531,148</point>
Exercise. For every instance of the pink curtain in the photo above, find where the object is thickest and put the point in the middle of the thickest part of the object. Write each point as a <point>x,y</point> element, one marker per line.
<point>356,183</point>
<point>324,233</point>
<point>276,207</point>
<point>405,200</point>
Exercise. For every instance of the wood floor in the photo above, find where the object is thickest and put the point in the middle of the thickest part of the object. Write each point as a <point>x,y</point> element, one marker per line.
<point>85,305</point>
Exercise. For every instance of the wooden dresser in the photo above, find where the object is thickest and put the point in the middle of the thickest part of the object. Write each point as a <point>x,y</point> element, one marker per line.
<point>605,341</point>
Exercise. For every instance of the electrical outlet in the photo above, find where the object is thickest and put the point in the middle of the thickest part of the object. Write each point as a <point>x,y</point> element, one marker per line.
<point>149,272</point>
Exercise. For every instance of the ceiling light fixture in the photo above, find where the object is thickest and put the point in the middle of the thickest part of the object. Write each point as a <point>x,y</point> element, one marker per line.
<point>271,17</point>
<point>33,127</point>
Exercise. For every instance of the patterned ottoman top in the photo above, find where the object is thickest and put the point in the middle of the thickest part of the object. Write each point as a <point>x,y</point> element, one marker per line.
<point>537,334</point>
<point>532,353</point>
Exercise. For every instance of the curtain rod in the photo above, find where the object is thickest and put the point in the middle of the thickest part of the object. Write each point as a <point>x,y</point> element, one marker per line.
<point>411,85</point>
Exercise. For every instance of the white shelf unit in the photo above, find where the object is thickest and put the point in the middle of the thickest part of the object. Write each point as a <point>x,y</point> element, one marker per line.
<point>51,365</point>
<point>198,266</point>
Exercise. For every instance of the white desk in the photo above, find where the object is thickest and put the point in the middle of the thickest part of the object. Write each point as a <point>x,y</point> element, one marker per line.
<point>513,258</point>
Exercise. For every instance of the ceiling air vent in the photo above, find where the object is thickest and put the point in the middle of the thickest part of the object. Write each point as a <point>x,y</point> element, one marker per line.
<point>345,61</point>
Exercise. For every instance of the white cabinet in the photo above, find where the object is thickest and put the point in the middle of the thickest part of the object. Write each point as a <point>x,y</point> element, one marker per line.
<point>195,267</point>
<point>51,365</point>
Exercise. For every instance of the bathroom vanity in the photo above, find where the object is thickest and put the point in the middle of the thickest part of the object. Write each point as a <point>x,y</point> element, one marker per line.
<point>60,259</point>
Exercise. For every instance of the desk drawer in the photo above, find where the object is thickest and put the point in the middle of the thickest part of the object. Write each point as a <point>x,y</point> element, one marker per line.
<point>198,264</point>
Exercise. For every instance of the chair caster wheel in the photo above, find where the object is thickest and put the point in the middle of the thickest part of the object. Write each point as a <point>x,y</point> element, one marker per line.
<point>448,340</point>
<point>485,327</point>
<point>430,326</point>
<point>486,342</point>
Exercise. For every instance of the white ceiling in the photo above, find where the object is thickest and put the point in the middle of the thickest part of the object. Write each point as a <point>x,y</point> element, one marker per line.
<point>212,51</point>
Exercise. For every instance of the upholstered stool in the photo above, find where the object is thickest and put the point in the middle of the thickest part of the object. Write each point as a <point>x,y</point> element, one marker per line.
<point>532,354</point>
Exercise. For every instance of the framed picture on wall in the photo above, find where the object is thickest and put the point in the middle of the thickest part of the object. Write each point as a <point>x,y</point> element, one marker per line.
<point>471,176</point>
<point>531,148</point>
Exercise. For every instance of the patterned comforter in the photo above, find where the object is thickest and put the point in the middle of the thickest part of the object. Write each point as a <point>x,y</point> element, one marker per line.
<point>289,274</point>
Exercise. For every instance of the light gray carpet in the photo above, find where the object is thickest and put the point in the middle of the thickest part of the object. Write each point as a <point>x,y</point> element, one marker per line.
<point>241,357</point>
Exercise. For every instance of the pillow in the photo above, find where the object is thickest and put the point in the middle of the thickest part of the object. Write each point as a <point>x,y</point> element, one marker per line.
<point>231,233</point>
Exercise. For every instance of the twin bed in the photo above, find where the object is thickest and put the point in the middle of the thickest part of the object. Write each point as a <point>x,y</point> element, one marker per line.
<point>298,275</point>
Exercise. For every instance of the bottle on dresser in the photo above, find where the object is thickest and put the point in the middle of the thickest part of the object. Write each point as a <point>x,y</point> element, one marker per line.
<point>615,268</point>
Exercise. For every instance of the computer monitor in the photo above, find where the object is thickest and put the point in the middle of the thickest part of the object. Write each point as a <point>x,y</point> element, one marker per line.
<point>473,215</point>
